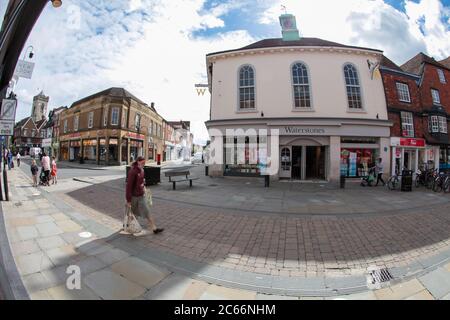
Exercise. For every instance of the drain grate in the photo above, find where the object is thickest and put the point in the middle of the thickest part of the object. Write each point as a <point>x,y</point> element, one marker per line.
<point>378,276</point>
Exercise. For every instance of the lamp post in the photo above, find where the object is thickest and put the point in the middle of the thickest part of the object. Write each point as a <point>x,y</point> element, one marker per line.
<point>56,3</point>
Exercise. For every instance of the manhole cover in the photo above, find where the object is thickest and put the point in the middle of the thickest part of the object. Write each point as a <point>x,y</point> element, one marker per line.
<point>85,235</point>
<point>378,277</point>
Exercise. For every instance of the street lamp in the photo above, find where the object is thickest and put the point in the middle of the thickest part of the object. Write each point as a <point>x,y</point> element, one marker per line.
<point>56,3</point>
<point>31,53</point>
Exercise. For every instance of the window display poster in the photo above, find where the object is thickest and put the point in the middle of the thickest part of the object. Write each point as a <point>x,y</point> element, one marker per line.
<point>352,164</point>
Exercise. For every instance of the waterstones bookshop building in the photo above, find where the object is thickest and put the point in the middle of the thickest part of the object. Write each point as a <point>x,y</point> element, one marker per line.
<point>321,103</point>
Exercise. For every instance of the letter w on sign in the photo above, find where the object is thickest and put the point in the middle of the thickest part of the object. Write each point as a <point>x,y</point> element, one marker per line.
<point>201,89</point>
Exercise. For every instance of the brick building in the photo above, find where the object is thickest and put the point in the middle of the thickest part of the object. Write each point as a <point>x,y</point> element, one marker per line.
<point>408,146</point>
<point>434,93</point>
<point>28,134</point>
<point>111,127</point>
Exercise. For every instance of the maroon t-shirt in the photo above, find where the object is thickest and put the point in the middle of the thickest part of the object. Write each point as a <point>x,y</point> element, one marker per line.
<point>135,182</point>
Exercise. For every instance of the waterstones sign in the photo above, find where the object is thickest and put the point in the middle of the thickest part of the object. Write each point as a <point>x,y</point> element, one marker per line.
<point>303,131</point>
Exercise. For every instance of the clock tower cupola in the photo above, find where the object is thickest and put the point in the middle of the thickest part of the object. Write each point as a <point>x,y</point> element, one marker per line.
<point>289,27</point>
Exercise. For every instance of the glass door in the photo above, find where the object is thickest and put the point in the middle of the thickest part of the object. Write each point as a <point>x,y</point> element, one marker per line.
<point>285,162</point>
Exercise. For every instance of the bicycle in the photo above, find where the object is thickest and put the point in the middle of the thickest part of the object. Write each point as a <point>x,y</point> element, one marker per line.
<point>394,182</point>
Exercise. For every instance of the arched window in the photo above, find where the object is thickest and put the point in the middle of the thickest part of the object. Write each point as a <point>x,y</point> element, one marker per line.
<point>302,95</point>
<point>246,88</point>
<point>353,87</point>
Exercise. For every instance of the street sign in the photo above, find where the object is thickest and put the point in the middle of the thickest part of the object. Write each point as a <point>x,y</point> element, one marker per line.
<point>6,128</point>
<point>24,69</point>
<point>8,111</point>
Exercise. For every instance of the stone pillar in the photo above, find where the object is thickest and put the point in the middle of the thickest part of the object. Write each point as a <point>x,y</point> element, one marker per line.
<point>216,161</point>
<point>394,155</point>
<point>385,155</point>
<point>416,164</point>
<point>335,159</point>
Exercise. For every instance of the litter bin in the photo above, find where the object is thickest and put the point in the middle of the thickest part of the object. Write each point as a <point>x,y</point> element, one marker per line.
<point>152,175</point>
<point>342,182</point>
<point>407,180</point>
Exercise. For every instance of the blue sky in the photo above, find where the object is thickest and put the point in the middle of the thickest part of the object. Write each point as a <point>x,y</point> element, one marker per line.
<point>156,48</point>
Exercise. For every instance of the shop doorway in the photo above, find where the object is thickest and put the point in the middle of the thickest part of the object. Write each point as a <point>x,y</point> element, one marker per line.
<point>296,163</point>
<point>315,163</point>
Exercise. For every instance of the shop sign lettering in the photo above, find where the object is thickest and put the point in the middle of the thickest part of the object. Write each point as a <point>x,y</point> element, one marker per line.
<point>304,131</point>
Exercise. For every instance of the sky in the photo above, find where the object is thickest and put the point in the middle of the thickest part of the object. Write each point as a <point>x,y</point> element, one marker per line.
<point>156,49</point>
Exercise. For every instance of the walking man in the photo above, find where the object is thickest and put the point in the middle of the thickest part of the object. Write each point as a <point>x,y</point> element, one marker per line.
<point>379,169</point>
<point>135,194</point>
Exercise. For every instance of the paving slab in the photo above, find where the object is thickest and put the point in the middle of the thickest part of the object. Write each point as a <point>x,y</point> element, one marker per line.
<point>27,232</point>
<point>139,271</point>
<point>63,293</point>
<point>25,247</point>
<point>422,295</point>
<point>112,256</point>
<point>214,292</point>
<point>437,282</point>
<point>48,229</point>
<point>68,226</point>
<point>368,295</point>
<point>50,242</point>
<point>400,291</point>
<point>64,255</point>
<point>177,287</point>
<point>110,286</point>
<point>40,295</point>
<point>33,263</point>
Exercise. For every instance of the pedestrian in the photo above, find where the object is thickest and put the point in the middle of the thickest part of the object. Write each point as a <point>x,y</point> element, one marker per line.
<point>135,194</point>
<point>379,170</point>
<point>54,171</point>
<point>10,160</point>
<point>45,163</point>
<point>34,172</point>
<point>18,159</point>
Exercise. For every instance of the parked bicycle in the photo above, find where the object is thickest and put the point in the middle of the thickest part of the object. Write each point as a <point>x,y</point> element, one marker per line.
<point>394,182</point>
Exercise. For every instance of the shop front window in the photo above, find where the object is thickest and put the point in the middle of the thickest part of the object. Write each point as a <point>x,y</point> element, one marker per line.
<point>124,147</point>
<point>113,150</point>
<point>90,150</point>
<point>357,162</point>
<point>102,150</point>
<point>241,155</point>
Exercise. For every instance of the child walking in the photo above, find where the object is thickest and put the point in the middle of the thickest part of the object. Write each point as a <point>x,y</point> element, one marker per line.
<point>34,172</point>
<point>54,171</point>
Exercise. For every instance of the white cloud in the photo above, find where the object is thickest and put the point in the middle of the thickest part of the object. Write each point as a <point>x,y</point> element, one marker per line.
<point>145,46</point>
<point>371,23</point>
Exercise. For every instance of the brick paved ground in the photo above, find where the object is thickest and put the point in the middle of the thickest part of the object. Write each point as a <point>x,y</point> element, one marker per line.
<point>286,245</point>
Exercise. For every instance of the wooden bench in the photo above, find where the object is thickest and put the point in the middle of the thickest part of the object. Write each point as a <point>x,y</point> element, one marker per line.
<point>184,176</point>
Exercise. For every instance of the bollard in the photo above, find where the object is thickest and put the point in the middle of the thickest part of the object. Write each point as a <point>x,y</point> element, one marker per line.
<point>266,181</point>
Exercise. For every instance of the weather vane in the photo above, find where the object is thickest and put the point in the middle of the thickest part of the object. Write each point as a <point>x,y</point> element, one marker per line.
<point>284,8</point>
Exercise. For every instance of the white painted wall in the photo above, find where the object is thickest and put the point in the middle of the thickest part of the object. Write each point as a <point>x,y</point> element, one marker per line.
<point>274,92</point>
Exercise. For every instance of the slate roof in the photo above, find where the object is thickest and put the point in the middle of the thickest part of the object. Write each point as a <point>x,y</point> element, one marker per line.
<point>446,62</point>
<point>386,62</point>
<point>303,42</point>
<point>414,65</point>
<point>111,92</point>
<point>22,122</point>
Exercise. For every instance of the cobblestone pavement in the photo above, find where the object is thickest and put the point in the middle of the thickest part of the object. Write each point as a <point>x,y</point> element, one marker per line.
<point>43,229</point>
<point>286,244</point>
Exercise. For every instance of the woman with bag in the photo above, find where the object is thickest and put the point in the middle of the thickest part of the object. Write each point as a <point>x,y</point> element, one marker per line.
<point>137,199</point>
